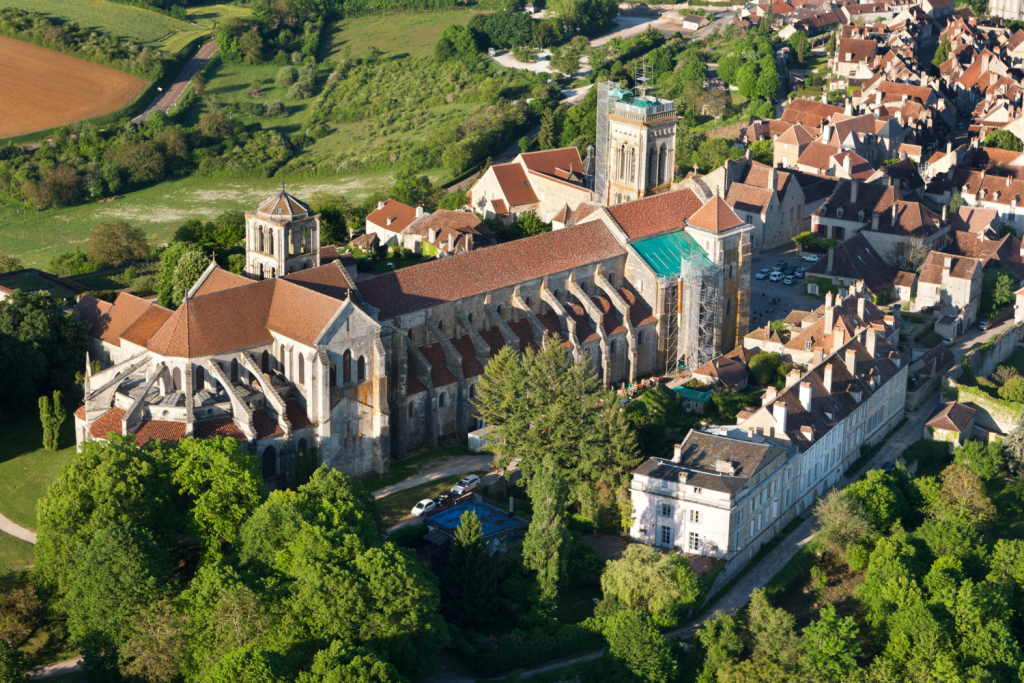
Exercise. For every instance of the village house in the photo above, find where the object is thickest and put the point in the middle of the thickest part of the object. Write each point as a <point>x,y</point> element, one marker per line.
<point>543,182</point>
<point>946,282</point>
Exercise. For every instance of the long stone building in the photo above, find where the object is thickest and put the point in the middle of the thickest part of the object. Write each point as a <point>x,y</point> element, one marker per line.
<point>294,354</point>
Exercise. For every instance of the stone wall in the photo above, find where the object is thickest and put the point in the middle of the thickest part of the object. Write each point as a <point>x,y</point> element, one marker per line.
<point>986,358</point>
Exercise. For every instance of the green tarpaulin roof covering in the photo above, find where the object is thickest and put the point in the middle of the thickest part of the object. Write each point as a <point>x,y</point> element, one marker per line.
<point>692,394</point>
<point>665,253</point>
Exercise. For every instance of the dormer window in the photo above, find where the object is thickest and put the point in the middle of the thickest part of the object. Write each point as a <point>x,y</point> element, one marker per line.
<point>839,212</point>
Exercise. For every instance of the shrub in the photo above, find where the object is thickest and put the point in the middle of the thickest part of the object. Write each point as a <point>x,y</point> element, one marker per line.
<point>300,91</point>
<point>408,536</point>
<point>857,557</point>
<point>287,75</point>
<point>144,285</point>
<point>764,367</point>
<point>274,108</point>
<point>1013,390</point>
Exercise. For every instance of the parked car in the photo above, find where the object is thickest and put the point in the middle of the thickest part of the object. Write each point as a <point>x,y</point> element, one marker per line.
<point>466,484</point>
<point>800,273</point>
<point>424,506</point>
<point>811,258</point>
<point>443,497</point>
<point>788,280</point>
<point>888,465</point>
<point>790,270</point>
<point>776,276</point>
<point>983,324</point>
<point>762,274</point>
<point>781,265</point>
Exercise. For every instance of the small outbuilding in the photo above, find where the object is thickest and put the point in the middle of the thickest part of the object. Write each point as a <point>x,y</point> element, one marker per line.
<point>499,527</point>
<point>731,373</point>
<point>694,401</point>
<point>954,423</point>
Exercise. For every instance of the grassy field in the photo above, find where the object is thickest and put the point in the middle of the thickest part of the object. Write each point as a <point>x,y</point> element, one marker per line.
<point>36,237</point>
<point>26,470</point>
<point>140,25</point>
<point>412,34</point>
<point>14,554</point>
<point>210,15</point>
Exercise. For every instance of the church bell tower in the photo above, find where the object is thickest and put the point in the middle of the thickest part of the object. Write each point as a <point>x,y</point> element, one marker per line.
<point>281,237</point>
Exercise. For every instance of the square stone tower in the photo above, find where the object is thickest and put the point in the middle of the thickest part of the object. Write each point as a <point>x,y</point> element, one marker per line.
<point>281,237</point>
<point>638,135</point>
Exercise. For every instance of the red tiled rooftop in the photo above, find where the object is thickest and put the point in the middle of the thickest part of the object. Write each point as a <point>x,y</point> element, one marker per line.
<point>656,214</point>
<point>715,216</point>
<point>296,415</point>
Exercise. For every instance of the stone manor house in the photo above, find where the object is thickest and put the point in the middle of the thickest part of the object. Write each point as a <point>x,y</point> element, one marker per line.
<point>294,354</point>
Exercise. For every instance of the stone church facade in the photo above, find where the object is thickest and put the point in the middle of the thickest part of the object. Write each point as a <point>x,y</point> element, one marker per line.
<point>305,357</point>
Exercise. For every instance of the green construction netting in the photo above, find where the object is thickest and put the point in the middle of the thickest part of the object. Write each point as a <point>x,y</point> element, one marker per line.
<point>665,253</point>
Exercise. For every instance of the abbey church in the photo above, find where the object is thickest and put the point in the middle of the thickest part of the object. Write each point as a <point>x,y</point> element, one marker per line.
<point>294,354</point>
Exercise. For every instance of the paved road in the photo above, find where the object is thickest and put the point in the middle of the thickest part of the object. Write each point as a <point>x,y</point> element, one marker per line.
<point>16,530</point>
<point>166,100</point>
<point>760,575</point>
<point>65,668</point>
<point>455,465</point>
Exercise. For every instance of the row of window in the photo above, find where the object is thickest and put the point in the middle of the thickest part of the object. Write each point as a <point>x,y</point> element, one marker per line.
<point>295,242</point>
<point>442,400</point>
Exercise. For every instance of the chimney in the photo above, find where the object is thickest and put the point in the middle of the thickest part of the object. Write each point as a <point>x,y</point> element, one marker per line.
<point>874,220</point>
<point>469,241</point>
<point>380,205</point>
<point>391,220</point>
<point>432,235</point>
<point>779,411</point>
<point>872,339</point>
<point>860,307</point>
<point>830,313</point>
<point>899,118</point>
<point>903,155</point>
<point>838,337</point>
<point>828,269</point>
<point>828,378</point>
<point>805,395</point>
<point>451,241</point>
<point>826,133</point>
<point>851,361</point>
<point>792,378</point>
<point>894,213</point>
<point>419,211</point>
<point>769,395</point>
<point>945,213</point>
<point>878,97</point>
<point>807,432</point>
<point>949,147</point>
<point>854,189</point>
<point>847,165</point>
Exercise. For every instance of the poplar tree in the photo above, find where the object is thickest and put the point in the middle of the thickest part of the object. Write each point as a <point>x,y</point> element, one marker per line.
<point>469,585</point>
<point>52,417</point>
<point>547,535</point>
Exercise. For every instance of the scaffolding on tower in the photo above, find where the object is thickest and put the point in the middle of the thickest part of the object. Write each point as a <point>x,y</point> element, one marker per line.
<point>692,320</point>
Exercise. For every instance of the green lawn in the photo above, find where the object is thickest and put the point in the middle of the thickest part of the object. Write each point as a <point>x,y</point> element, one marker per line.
<point>26,470</point>
<point>36,237</point>
<point>399,505</point>
<point>412,34</point>
<point>113,279</point>
<point>26,283</point>
<point>210,15</point>
<point>113,18</point>
<point>14,553</point>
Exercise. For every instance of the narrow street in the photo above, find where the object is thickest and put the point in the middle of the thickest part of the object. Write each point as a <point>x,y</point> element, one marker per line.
<point>164,101</point>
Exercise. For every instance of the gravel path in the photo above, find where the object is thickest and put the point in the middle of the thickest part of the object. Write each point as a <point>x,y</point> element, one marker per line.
<point>166,100</point>
<point>16,530</point>
<point>455,465</point>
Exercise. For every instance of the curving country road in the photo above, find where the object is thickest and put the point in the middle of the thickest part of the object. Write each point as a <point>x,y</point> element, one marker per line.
<point>165,100</point>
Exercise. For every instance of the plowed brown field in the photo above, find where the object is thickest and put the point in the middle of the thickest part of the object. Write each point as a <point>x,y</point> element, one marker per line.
<point>42,89</point>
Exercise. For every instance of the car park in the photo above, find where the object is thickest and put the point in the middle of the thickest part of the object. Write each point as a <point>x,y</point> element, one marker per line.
<point>790,270</point>
<point>800,273</point>
<point>443,497</point>
<point>811,258</point>
<point>781,265</point>
<point>423,507</point>
<point>788,280</point>
<point>466,484</point>
<point>762,274</point>
<point>776,276</point>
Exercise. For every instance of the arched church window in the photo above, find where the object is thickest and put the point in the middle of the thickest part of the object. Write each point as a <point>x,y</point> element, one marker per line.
<point>662,164</point>
<point>652,168</point>
<point>269,463</point>
<point>305,240</point>
<point>346,367</point>
<point>176,379</point>
<point>470,318</point>
<point>260,231</point>
<point>639,338</point>
<point>498,309</point>
<point>361,369</point>
<point>440,325</point>
<point>472,390</point>
<point>273,272</point>
<point>270,242</point>
<point>441,399</point>
<point>622,162</point>
<point>200,378</point>
<point>631,164</point>
<point>612,350</point>
<point>302,369</point>
<point>265,362</point>
<point>259,271</point>
<point>411,408</point>
<point>234,369</point>
<point>334,375</point>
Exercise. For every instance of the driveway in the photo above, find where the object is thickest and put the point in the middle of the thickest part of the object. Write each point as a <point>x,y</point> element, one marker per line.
<point>453,465</point>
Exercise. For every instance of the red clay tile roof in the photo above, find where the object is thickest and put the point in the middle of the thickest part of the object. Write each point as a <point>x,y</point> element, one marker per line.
<point>484,270</point>
<point>797,135</point>
<point>90,308</point>
<point>440,375</point>
<point>745,198</point>
<point>525,333</point>
<point>331,280</point>
<point>553,161</point>
<point>494,339</point>
<point>659,213</point>
<point>953,417</point>
<point>80,413</point>
<point>148,324</point>
<point>296,415</point>
<point>220,426</point>
<point>904,279</point>
<point>412,382</point>
<point>810,113</point>
<point>859,166</point>
<point>219,279</point>
<point>126,310</point>
<point>817,155</point>
<point>242,317</point>
<point>402,214</point>
<point>715,216</point>
<point>109,421</point>
<point>515,186</point>
<point>160,430</point>
<point>640,313</point>
<point>471,367</point>
<point>961,267</point>
<point>265,425</point>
